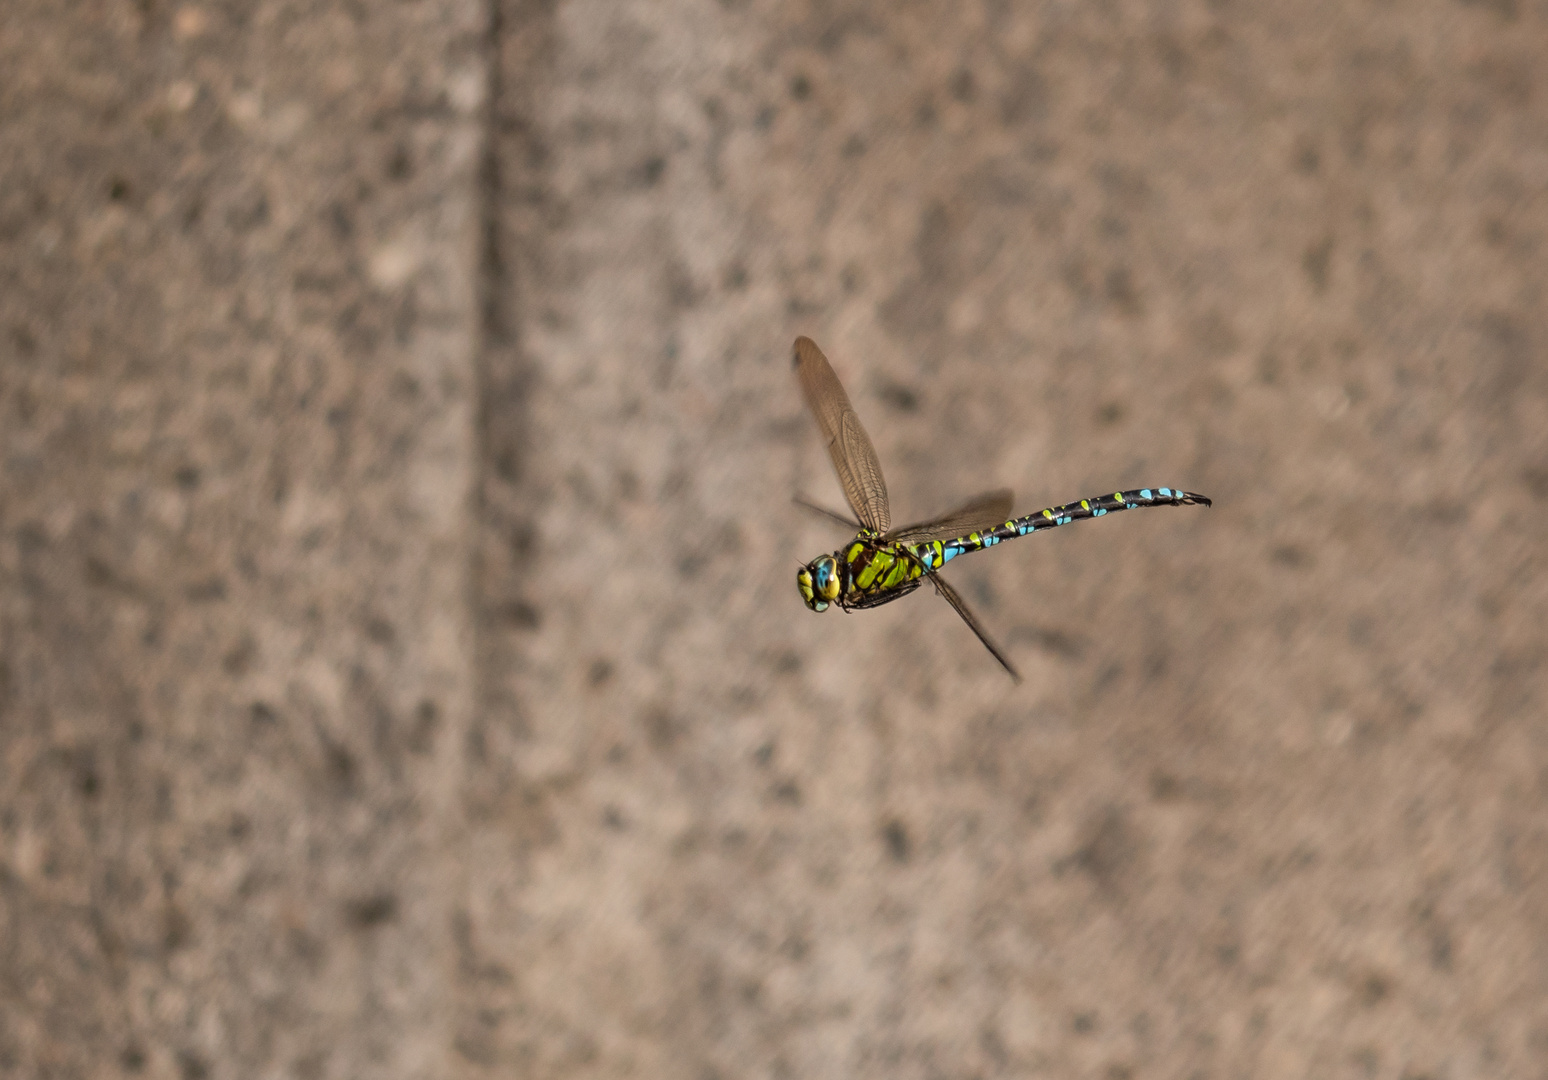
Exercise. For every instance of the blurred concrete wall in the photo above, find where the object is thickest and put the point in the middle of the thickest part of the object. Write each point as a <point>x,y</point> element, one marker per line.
<point>401,672</point>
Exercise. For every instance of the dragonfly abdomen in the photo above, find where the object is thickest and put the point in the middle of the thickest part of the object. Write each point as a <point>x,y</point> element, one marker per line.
<point>938,553</point>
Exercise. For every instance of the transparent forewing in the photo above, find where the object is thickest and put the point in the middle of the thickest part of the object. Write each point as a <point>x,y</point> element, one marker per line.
<point>854,458</point>
<point>972,620</point>
<point>978,513</point>
<point>824,511</point>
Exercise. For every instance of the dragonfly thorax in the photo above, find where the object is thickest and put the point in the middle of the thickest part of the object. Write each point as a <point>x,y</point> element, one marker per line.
<point>821,581</point>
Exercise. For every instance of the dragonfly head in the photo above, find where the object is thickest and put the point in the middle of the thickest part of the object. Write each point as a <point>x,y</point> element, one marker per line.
<point>819,582</point>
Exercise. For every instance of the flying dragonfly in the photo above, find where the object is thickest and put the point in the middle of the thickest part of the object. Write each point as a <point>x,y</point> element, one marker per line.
<point>882,564</point>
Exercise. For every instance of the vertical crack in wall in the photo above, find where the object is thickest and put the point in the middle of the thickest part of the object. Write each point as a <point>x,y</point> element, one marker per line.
<point>494,323</point>
<point>493,332</point>
<point>517,40</point>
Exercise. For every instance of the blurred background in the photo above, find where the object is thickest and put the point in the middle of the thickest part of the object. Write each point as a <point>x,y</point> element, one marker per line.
<point>401,667</point>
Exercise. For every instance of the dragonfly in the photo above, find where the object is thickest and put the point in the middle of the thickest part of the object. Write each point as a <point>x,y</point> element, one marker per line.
<point>882,564</point>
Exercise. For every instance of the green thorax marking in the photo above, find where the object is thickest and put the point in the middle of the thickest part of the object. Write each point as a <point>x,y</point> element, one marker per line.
<point>876,568</point>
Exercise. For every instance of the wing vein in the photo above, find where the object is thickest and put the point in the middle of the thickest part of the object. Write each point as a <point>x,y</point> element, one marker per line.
<point>977,514</point>
<point>849,447</point>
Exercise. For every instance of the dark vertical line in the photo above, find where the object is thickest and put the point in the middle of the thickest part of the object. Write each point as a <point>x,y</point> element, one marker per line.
<point>494,327</point>
<point>493,331</point>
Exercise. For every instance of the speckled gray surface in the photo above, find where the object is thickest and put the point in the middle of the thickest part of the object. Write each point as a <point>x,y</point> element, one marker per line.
<point>238,266</point>
<point>403,670</point>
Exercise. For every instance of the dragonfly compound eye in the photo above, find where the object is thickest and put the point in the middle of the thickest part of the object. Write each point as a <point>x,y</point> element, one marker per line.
<point>825,577</point>
<point>804,583</point>
<point>818,582</point>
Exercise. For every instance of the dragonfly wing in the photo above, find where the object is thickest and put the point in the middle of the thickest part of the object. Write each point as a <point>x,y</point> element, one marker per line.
<point>972,620</point>
<point>825,512</point>
<point>854,458</point>
<point>978,513</point>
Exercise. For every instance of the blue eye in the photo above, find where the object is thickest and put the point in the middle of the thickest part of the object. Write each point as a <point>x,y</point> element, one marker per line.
<point>822,576</point>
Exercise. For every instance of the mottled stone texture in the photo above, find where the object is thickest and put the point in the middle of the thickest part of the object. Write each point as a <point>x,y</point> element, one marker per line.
<point>401,666</point>
<point>237,257</point>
